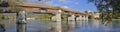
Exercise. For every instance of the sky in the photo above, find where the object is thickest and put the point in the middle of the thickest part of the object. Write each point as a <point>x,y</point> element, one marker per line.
<point>78,5</point>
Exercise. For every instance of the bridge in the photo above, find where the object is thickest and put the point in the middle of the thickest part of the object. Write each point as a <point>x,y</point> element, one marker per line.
<point>55,11</point>
<point>52,10</point>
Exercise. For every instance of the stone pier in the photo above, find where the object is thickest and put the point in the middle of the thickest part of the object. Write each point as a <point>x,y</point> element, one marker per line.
<point>57,16</point>
<point>79,18</point>
<point>71,18</point>
<point>21,21</point>
<point>21,17</point>
<point>83,17</point>
<point>86,17</point>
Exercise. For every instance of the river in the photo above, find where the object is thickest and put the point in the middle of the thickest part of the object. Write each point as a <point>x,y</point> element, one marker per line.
<point>63,26</point>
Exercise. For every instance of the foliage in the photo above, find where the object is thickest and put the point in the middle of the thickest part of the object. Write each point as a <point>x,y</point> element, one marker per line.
<point>64,17</point>
<point>44,16</point>
<point>1,10</point>
<point>91,17</point>
<point>0,15</point>
<point>107,7</point>
<point>48,16</point>
<point>13,6</point>
<point>109,16</point>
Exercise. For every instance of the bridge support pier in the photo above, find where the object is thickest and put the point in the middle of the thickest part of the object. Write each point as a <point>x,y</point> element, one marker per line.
<point>21,17</point>
<point>71,18</point>
<point>56,16</point>
<point>21,21</point>
<point>79,18</point>
<point>83,18</point>
<point>86,17</point>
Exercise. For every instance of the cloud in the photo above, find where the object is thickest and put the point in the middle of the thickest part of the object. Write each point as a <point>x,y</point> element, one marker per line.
<point>49,2</point>
<point>64,1</point>
<point>65,7</point>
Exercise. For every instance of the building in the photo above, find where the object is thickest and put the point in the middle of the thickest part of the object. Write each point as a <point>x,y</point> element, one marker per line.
<point>95,14</point>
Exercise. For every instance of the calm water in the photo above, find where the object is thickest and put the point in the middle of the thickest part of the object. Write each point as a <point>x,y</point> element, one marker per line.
<point>64,26</point>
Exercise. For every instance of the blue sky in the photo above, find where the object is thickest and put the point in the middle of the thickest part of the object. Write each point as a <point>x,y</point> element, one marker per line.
<point>78,5</point>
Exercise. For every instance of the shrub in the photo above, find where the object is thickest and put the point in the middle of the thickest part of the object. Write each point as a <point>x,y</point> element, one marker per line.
<point>0,15</point>
<point>91,17</point>
<point>44,16</point>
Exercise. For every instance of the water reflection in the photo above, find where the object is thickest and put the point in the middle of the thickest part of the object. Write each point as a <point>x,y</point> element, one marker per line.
<point>64,26</point>
<point>78,24</point>
<point>2,28</point>
<point>96,23</point>
<point>71,25</point>
<point>82,23</point>
<point>21,27</point>
<point>56,27</point>
<point>116,24</point>
<point>112,26</point>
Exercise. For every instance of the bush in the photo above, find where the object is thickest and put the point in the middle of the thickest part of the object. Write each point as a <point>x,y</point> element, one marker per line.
<point>0,15</point>
<point>44,16</point>
<point>91,17</point>
<point>64,17</point>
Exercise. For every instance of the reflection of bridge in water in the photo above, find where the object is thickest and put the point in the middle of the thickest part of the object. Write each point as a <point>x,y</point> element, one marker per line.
<point>63,26</point>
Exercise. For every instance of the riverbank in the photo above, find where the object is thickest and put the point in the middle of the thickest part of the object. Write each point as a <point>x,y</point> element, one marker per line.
<point>29,16</point>
<point>32,16</point>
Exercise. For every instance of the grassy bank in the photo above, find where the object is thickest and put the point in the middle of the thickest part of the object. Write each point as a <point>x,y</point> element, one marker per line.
<point>1,15</point>
<point>7,16</point>
<point>36,16</point>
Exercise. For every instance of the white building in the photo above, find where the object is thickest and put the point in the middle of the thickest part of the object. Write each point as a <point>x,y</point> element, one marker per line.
<point>95,14</point>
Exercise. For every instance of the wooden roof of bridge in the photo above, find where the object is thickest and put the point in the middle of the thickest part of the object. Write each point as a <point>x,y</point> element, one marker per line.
<point>42,6</point>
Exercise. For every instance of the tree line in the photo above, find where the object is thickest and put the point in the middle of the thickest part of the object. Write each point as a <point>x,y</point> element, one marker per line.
<point>109,9</point>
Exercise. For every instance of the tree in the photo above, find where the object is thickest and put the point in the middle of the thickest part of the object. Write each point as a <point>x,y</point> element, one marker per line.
<point>13,6</point>
<point>107,7</point>
<point>64,17</point>
<point>91,17</point>
<point>0,16</point>
<point>45,16</point>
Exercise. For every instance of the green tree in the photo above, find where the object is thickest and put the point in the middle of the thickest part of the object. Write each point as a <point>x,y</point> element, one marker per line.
<point>107,7</point>
<point>45,16</point>
<point>14,7</point>
<point>91,17</point>
<point>0,16</point>
<point>64,17</point>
